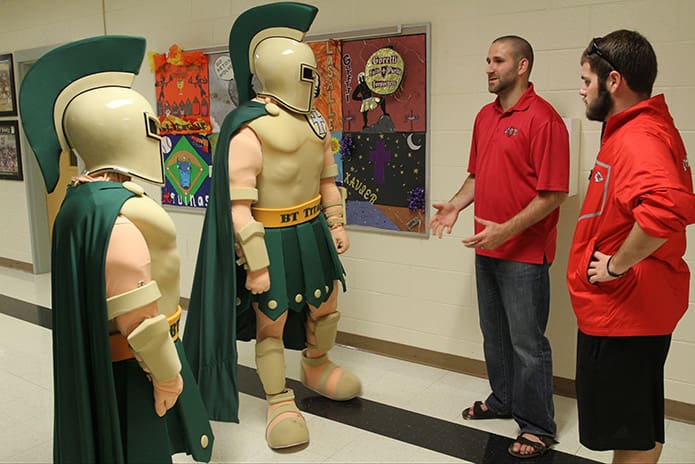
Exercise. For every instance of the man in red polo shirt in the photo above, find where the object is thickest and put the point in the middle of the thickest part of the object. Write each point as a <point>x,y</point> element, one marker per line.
<point>518,177</point>
<point>626,275</point>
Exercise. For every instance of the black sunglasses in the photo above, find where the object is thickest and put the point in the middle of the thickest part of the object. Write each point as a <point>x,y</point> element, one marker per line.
<point>595,50</point>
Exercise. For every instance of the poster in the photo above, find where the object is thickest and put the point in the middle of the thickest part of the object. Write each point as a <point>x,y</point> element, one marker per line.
<point>328,102</point>
<point>187,171</point>
<point>223,88</point>
<point>183,94</point>
<point>384,137</point>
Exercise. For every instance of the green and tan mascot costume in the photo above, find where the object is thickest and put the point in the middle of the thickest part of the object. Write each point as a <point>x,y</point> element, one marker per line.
<point>115,266</point>
<point>268,264</point>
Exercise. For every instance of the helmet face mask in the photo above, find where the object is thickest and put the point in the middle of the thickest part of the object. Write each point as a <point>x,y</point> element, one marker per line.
<point>115,129</point>
<point>311,74</point>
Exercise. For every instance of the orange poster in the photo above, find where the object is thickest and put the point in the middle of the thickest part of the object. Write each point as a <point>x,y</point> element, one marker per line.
<point>328,102</point>
<point>183,95</point>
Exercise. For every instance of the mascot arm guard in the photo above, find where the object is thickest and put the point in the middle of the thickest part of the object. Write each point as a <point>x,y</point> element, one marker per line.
<point>335,210</point>
<point>125,302</point>
<point>155,350</point>
<point>250,242</point>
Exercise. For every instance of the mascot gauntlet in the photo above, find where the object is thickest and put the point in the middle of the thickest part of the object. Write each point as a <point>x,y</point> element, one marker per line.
<point>154,349</point>
<point>250,246</point>
<point>336,215</point>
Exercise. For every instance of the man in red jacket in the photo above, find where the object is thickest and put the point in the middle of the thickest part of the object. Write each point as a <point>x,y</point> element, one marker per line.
<point>626,275</point>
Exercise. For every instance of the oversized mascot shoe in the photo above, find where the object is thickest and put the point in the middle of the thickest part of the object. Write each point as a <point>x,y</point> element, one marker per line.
<point>286,426</point>
<point>328,379</point>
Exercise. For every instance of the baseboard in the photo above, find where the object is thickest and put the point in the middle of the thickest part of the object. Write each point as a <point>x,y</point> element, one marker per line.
<point>680,411</point>
<point>675,410</point>
<point>14,264</point>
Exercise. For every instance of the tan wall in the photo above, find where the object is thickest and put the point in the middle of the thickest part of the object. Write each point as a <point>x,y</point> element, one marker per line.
<point>418,292</point>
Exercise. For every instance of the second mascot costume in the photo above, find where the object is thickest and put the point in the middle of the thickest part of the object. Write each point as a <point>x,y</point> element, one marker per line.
<point>123,391</point>
<point>268,265</point>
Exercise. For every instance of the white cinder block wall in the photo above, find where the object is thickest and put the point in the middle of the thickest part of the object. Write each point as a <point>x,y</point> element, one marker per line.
<point>413,291</point>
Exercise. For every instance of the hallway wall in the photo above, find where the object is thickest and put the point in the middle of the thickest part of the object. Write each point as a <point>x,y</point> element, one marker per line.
<point>414,291</point>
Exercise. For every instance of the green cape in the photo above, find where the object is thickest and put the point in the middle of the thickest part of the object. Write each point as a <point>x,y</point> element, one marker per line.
<point>210,331</point>
<point>104,411</point>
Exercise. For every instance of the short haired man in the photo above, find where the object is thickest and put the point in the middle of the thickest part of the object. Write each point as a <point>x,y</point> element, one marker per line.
<point>626,274</point>
<point>518,177</point>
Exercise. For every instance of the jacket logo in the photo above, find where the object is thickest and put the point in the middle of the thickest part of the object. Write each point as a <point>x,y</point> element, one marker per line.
<point>511,131</point>
<point>598,177</point>
<point>686,164</point>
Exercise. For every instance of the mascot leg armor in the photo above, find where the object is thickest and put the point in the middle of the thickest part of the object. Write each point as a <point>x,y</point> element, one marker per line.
<point>286,426</point>
<point>319,373</point>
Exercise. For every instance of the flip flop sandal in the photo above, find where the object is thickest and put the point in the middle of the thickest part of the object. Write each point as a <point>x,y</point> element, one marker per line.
<point>539,449</point>
<point>478,413</point>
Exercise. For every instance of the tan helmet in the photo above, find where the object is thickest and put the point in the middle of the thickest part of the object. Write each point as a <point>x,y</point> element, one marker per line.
<point>286,70</point>
<point>266,43</point>
<point>114,129</point>
<point>78,97</point>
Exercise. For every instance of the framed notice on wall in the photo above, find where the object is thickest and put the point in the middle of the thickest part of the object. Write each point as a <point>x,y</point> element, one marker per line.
<point>8,96</point>
<point>10,154</point>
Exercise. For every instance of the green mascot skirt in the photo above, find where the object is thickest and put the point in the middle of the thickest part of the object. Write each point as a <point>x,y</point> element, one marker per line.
<point>303,268</point>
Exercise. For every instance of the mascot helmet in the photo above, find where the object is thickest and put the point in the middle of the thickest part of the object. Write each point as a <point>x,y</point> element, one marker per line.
<point>266,41</point>
<point>78,98</point>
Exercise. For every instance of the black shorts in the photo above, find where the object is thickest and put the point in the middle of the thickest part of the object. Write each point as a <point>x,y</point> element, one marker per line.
<point>620,391</point>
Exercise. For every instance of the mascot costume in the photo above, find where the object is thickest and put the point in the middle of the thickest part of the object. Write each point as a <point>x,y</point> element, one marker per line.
<point>115,266</point>
<point>268,264</point>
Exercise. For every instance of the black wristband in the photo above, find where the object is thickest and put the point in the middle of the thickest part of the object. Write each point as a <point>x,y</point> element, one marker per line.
<point>608,269</point>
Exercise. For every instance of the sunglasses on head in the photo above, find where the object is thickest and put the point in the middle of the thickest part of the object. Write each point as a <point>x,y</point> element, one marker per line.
<point>596,50</point>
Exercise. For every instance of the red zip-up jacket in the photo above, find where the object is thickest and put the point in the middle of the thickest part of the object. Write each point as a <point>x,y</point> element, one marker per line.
<point>641,174</point>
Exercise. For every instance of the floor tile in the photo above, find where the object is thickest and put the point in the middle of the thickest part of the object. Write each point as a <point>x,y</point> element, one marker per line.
<point>408,412</point>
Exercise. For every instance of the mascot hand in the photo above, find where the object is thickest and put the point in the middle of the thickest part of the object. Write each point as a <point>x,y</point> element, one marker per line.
<point>166,394</point>
<point>340,239</point>
<point>258,281</point>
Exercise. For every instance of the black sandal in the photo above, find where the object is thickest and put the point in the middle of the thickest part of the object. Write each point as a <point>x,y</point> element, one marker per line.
<point>539,449</point>
<point>478,413</point>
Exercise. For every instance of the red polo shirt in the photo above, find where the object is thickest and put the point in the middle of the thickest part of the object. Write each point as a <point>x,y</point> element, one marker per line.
<point>514,155</point>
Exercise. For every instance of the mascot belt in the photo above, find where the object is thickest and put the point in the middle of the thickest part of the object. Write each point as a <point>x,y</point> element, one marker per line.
<point>286,217</point>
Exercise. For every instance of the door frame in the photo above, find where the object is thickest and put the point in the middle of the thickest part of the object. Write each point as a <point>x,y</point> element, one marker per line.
<point>34,185</point>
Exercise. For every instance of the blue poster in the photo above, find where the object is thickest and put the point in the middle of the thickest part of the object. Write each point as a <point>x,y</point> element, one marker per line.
<point>187,171</point>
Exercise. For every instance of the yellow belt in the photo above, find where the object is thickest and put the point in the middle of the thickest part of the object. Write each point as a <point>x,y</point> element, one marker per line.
<point>120,351</point>
<point>285,217</point>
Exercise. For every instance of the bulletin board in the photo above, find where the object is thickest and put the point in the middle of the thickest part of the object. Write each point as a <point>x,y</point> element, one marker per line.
<point>374,89</point>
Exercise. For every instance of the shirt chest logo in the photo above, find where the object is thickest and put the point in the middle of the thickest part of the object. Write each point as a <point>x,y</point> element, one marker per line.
<point>511,131</point>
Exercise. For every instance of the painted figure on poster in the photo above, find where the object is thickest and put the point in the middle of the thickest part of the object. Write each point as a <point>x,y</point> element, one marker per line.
<point>369,102</point>
<point>115,279</point>
<point>274,162</point>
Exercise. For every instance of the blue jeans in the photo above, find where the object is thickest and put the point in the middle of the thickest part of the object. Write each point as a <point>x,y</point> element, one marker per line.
<point>514,302</point>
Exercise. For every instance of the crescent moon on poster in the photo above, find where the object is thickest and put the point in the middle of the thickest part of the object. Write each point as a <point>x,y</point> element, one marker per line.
<point>411,144</point>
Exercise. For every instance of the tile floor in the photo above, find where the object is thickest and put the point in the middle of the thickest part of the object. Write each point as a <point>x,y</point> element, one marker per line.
<point>408,412</point>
